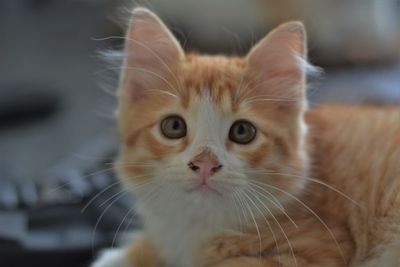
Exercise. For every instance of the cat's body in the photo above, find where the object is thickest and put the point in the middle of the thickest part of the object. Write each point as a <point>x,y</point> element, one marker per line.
<point>361,145</point>
<point>357,150</point>
<point>231,170</point>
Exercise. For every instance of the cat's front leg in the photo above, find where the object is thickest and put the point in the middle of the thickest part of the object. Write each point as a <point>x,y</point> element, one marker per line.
<point>227,247</point>
<point>246,250</point>
<point>139,254</point>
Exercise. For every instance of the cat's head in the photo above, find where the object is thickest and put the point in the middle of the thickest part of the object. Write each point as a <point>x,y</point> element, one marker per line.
<point>212,130</point>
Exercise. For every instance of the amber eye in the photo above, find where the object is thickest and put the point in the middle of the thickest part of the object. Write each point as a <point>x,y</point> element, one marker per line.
<point>173,127</point>
<point>242,132</point>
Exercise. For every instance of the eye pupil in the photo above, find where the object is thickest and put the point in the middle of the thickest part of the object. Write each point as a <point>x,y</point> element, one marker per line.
<point>176,125</point>
<point>242,132</point>
<point>173,127</point>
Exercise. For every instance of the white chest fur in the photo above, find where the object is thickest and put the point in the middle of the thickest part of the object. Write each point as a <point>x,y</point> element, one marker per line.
<point>178,239</point>
<point>179,229</point>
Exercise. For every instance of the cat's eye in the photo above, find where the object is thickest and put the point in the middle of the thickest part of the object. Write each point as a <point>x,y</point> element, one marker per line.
<point>242,132</point>
<point>173,127</point>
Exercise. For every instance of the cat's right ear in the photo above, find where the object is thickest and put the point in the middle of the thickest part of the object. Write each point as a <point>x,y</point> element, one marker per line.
<point>152,54</point>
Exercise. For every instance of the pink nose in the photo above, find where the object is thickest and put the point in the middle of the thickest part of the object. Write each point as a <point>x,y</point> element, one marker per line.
<point>205,167</point>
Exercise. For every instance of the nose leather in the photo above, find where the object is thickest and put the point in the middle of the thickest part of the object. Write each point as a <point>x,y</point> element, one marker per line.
<point>205,165</point>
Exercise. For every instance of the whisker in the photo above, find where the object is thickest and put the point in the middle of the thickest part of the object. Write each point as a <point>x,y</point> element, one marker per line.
<point>243,208</point>
<point>108,38</point>
<point>161,92</point>
<point>99,194</point>
<point>270,96</point>
<point>120,225</point>
<point>281,209</point>
<point>279,225</point>
<point>107,188</point>
<point>133,163</point>
<point>127,163</point>
<point>82,177</point>
<point>148,195</point>
<point>128,190</point>
<point>107,208</point>
<point>248,208</point>
<point>312,212</point>
<point>317,181</point>
<point>100,217</point>
<point>271,100</point>
<point>268,224</point>
<point>238,209</point>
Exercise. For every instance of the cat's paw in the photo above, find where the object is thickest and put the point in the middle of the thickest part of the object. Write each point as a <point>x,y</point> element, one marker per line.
<point>112,258</point>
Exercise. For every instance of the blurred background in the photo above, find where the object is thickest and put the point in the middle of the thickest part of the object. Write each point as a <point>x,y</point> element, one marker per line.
<point>59,200</point>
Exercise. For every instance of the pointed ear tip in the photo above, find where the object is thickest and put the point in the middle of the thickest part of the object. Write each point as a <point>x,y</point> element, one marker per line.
<point>142,12</point>
<point>294,26</point>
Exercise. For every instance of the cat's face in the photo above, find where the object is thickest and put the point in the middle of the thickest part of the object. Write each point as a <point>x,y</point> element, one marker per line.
<point>212,130</point>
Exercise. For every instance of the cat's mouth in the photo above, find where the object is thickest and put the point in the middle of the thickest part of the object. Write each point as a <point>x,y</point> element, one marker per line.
<point>205,188</point>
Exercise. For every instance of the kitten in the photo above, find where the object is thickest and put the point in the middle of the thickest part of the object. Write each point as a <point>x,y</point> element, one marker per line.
<point>230,169</point>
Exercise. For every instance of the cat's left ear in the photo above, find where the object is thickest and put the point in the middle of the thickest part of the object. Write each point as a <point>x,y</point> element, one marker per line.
<point>152,54</point>
<point>277,64</point>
